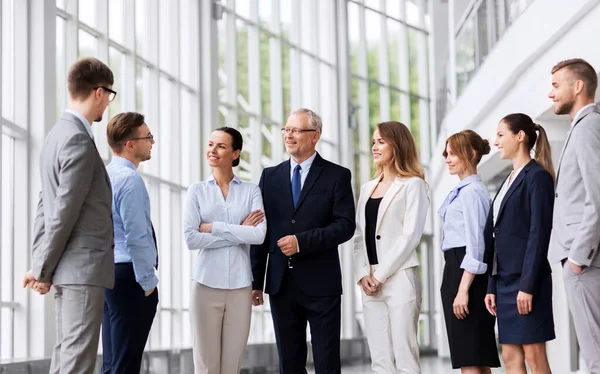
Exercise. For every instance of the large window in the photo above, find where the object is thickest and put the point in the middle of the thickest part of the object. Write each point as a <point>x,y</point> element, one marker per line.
<point>389,43</point>
<point>152,49</point>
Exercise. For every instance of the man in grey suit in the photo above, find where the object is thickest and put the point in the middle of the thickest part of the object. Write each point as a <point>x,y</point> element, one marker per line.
<point>73,229</point>
<point>576,221</point>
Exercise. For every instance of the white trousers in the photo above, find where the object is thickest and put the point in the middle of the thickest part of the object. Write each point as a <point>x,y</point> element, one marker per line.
<point>391,324</point>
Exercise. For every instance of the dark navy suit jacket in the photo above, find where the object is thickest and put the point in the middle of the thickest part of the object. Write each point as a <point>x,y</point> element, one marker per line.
<point>521,235</point>
<point>323,219</point>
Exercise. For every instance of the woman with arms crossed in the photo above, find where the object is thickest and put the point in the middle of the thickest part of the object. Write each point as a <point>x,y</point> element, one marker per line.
<point>469,326</point>
<point>390,219</point>
<point>223,217</point>
<point>517,237</point>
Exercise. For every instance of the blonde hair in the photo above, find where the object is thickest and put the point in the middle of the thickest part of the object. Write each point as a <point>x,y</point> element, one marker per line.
<point>404,157</point>
<point>464,143</point>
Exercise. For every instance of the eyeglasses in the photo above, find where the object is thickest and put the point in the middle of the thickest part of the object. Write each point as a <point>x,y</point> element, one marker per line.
<point>286,131</point>
<point>149,137</point>
<point>111,94</point>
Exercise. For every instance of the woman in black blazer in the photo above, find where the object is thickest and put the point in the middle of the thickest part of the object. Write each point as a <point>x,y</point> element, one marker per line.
<point>517,236</point>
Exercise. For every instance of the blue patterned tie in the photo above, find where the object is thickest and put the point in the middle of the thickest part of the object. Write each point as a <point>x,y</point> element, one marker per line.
<point>296,185</point>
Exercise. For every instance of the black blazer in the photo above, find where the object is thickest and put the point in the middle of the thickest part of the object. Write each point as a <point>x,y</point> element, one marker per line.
<point>521,235</point>
<point>323,219</point>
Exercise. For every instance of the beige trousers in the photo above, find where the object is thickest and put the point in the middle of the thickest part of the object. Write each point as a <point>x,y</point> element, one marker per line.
<point>220,321</point>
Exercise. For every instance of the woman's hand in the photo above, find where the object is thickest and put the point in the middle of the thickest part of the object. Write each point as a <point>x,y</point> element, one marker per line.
<point>254,218</point>
<point>205,228</point>
<point>369,286</point>
<point>490,303</point>
<point>524,302</point>
<point>461,304</point>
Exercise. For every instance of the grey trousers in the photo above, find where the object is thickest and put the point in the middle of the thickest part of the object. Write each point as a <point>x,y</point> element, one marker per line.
<point>583,297</point>
<point>79,311</point>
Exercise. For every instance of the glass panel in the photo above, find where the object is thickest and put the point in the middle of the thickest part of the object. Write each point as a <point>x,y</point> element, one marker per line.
<point>286,74</point>
<point>186,142</point>
<point>465,55</point>
<point>115,21</point>
<point>373,27</point>
<point>166,38</point>
<point>185,46</point>
<point>7,56</point>
<point>242,8</point>
<point>392,8</point>
<point>374,108</point>
<point>61,67</point>
<point>166,127</point>
<point>413,60</point>
<point>265,13</point>
<point>375,4</point>
<point>395,105</point>
<point>265,74</point>
<point>412,14</point>
<point>116,61</point>
<point>415,122</point>
<point>393,37</point>
<point>482,32</point>
<point>88,12</point>
<point>242,62</point>
<point>88,44</point>
<point>354,35</point>
<point>514,8</point>
<point>222,42</point>
<point>141,21</point>
<point>60,4</point>
<point>285,7</point>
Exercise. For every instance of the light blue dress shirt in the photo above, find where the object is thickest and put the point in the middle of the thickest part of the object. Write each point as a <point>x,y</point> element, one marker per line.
<point>223,259</point>
<point>304,168</point>
<point>88,126</point>
<point>464,214</point>
<point>131,220</point>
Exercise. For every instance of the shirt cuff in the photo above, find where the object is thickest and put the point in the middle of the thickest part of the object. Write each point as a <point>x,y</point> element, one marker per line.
<point>149,283</point>
<point>218,228</point>
<point>575,262</point>
<point>297,244</point>
<point>472,265</point>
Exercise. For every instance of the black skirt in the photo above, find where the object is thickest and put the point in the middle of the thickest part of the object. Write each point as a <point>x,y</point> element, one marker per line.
<point>472,340</point>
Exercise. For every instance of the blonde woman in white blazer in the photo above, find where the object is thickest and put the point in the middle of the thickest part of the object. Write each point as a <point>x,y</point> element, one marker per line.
<point>391,215</point>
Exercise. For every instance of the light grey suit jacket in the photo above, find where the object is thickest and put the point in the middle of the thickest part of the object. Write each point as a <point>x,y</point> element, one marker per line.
<point>576,218</point>
<point>73,229</point>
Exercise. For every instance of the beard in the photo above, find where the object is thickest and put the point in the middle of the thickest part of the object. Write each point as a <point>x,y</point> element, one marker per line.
<point>564,108</point>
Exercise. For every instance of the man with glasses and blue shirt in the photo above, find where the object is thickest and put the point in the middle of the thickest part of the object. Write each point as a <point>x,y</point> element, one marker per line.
<point>130,306</point>
<point>309,208</point>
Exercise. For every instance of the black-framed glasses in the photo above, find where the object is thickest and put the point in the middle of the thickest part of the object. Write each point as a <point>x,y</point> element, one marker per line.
<point>149,137</point>
<point>286,131</point>
<point>111,94</point>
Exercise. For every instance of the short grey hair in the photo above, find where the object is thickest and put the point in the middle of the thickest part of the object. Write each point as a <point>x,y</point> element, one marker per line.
<point>314,121</point>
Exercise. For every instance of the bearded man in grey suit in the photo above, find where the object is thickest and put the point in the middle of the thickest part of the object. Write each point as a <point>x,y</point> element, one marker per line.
<point>576,220</point>
<point>73,229</point>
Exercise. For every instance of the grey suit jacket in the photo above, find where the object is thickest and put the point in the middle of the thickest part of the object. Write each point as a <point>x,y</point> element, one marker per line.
<point>73,229</point>
<point>576,218</point>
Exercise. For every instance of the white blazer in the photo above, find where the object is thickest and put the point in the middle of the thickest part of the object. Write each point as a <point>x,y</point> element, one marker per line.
<point>400,223</point>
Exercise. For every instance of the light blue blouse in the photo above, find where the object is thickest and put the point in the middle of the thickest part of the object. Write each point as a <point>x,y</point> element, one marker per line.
<point>464,214</point>
<point>223,259</point>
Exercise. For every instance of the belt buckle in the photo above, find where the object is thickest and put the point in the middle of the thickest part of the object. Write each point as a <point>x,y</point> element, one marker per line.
<point>290,266</point>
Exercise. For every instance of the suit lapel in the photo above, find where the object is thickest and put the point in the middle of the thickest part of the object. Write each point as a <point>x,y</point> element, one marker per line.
<point>313,174</point>
<point>387,199</point>
<point>515,184</point>
<point>582,116</point>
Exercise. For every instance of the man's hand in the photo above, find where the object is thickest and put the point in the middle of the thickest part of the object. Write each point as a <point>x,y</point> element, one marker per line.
<point>257,298</point>
<point>525,302</point>
<point>288,245</point>
<point>576,268</point>
<point>41,287</point>
<point>205,228</point>
<point>149,292</point>
<point>254,218</point>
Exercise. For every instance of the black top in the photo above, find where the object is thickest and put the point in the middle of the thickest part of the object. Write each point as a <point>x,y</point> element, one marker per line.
<point>371,209</point>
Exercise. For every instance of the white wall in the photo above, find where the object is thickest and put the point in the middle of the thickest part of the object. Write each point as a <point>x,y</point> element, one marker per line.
<point>516,78</point>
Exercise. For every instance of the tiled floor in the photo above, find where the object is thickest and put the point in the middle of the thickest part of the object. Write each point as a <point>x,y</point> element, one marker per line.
<point>429,365</point>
